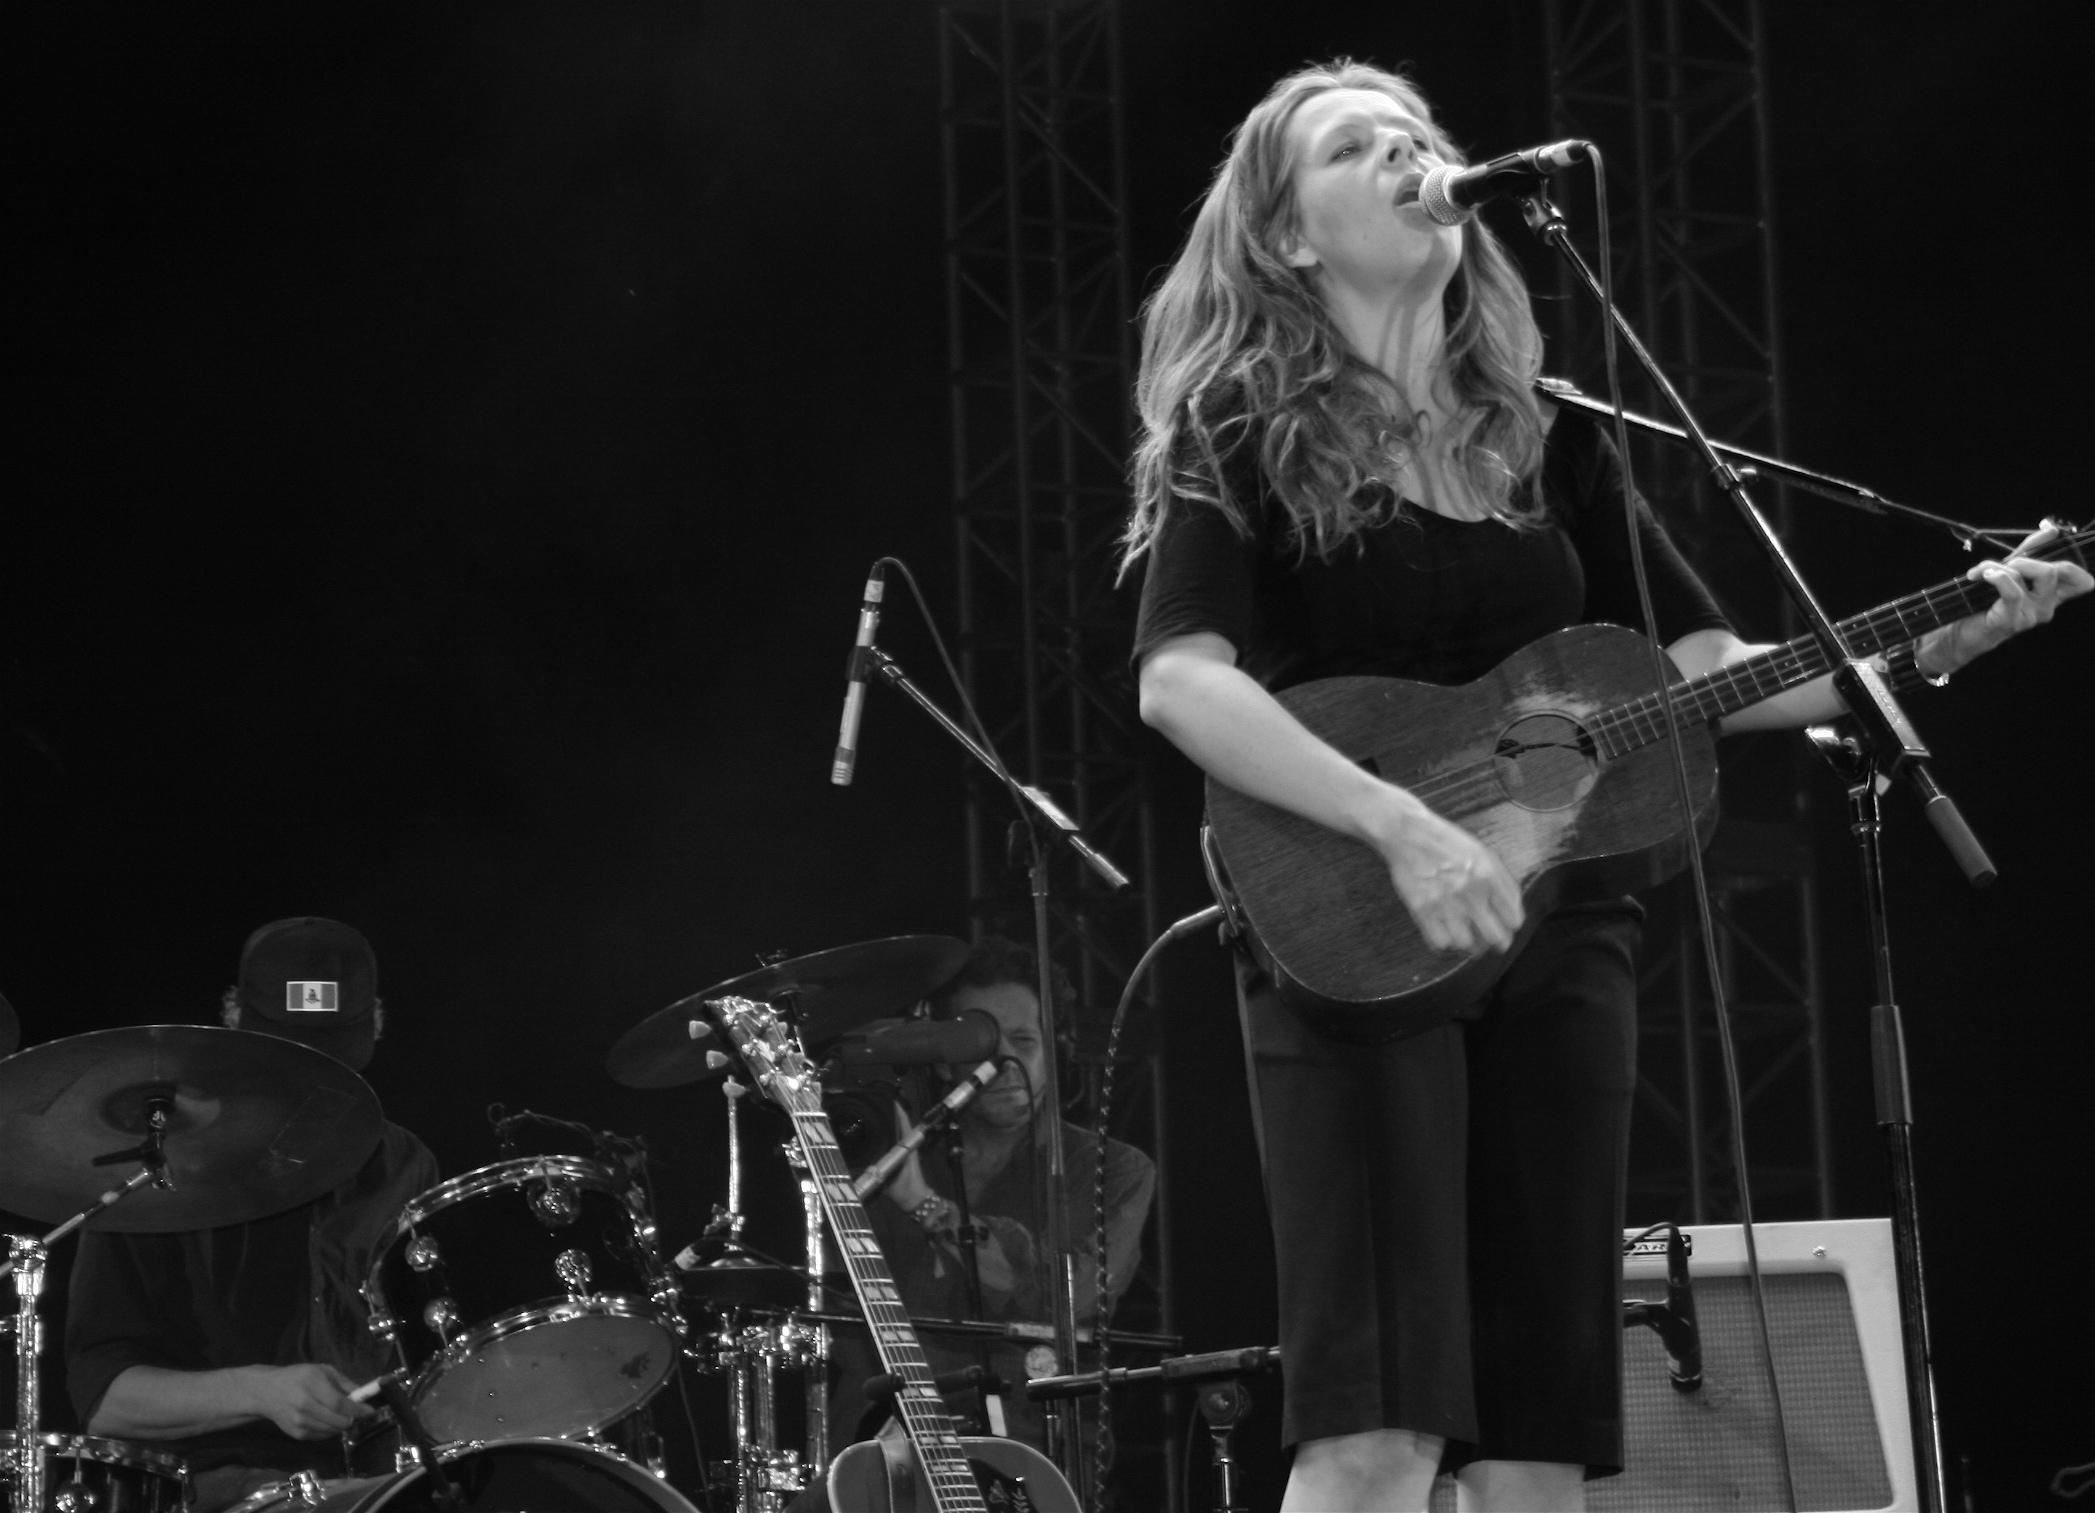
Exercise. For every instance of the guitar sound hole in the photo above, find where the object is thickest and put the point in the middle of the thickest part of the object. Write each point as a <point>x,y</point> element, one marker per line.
<point>1545,761</point>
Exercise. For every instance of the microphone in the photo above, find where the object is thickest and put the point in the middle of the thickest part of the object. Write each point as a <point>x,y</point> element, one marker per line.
<point>1683,1341</point>
<point>1450,195</point>
<point>846,761</point>
<point>875,1177</point>
<point>970,1038</point>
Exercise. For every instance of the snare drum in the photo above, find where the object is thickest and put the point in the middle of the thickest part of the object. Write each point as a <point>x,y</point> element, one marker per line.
<point>538,1475</point>
<point>526,1298</point>
<point>85,1475</point>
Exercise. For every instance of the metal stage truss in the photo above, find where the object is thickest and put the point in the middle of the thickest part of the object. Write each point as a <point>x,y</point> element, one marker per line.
<point>1674,91</point>
<point>1040,373</point>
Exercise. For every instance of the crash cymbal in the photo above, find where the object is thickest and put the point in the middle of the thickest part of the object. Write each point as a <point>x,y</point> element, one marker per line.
<point>256,1124</point>
<point>832,991</point>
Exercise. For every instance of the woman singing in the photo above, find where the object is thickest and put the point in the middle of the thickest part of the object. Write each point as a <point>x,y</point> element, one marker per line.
<point>1344,469</point>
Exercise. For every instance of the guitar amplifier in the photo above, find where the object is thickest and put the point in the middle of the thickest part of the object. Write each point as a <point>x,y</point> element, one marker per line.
<point>1833,1314</point>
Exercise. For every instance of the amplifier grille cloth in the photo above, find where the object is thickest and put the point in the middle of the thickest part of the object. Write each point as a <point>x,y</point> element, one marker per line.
<point>1715,1449</point>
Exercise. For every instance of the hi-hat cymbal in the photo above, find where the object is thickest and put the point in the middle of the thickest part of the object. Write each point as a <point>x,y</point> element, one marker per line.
<point>833,990</point>
<point>739,1280</point>
<point>257,1124</point>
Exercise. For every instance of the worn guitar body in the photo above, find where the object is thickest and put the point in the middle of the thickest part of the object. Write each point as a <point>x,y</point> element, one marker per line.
<point>869,1477</point>
<point>1558,759</point>
<point>1526,775</point>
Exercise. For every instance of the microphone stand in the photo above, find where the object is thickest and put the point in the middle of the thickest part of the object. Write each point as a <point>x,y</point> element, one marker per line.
<point>1857,766</point>
<point>1894,749</point>
<point>1037,812</point>
<point>1562,392</point>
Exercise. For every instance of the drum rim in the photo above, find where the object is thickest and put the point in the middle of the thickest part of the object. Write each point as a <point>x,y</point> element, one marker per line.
<point>109,1452</point>
<point>446,1453</point>
<point>419,1209</point>
<point>605,1305</point>
<point>485,1179</point>
<point>453,1449</point>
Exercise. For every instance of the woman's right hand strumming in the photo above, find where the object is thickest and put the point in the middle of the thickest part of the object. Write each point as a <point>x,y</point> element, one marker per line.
<point>1456,888</point>
<point>1458,892</point>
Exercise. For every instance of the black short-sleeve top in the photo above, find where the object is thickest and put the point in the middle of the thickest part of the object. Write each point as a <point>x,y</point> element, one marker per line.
<point>1420,596</point>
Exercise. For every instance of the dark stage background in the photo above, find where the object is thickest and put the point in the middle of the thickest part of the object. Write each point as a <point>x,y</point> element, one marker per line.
<point>450,440</point>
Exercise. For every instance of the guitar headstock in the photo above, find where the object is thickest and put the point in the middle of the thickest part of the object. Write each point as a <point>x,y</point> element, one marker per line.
<point>770,1050</point>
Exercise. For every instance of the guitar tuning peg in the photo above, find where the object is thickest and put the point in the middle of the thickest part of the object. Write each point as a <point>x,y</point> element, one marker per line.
<point>698,1029</point>
<point>715,1060</point>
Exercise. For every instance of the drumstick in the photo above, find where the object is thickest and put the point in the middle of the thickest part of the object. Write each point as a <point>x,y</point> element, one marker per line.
<point>368,1391</point>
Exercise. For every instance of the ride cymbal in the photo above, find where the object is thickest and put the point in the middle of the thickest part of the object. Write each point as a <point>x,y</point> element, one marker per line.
<point>832,991</point>
<point>256,1124</point>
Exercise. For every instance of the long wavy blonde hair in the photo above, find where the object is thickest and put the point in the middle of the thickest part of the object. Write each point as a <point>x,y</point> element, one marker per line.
<point>1236,343</point>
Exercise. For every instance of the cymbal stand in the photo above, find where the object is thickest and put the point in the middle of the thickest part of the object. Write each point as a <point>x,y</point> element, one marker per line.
<point>813,1333</point>
<point>764,1477</point>
<point>752,1351</point>
<point>27,1257</point>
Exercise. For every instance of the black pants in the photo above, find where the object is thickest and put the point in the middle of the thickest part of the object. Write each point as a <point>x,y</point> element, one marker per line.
<point>1447,1209</point>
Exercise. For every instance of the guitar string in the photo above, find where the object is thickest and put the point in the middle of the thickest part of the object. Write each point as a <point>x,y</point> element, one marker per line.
<point>1725,690</point>
<point>893,1331</point>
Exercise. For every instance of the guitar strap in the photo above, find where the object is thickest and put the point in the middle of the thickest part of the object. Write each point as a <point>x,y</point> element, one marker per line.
<point>901,1466</point>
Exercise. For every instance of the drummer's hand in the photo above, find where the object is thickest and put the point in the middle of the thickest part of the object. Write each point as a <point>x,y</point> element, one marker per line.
<point>306,1402</point>
<point>2030,593</point>
<point>1454,885</point>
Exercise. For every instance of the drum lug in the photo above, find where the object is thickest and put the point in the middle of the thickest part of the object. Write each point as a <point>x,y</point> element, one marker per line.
<point>422,1254</point>
<point>442,1317</point>
<point>572,1267</point>
<point>556,1203</point>
<point>377,1319</point>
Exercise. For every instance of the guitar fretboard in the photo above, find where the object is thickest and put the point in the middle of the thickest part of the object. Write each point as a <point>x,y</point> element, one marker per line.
<point>1641,722</point>
<point>945,1463</point>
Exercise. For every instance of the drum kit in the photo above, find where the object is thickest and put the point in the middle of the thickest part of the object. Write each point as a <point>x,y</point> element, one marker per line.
<point>526,1305</point>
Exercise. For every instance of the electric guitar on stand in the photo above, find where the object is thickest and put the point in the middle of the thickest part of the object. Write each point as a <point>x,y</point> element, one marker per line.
<point>1558,759</point>
<point>946,1473</point>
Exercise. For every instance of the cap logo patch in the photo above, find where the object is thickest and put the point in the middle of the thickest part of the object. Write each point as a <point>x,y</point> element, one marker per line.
<point>311,998</point>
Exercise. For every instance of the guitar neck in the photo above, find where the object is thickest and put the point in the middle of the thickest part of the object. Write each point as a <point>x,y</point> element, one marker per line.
<point>946,1469</point>
<point>1729,689</point>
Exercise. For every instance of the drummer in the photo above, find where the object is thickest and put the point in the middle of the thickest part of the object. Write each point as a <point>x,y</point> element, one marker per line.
<point>917,1220</point>
<point>236,1348</point>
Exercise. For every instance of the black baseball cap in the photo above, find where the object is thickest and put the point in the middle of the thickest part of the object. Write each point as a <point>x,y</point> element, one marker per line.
<point>314,980</point>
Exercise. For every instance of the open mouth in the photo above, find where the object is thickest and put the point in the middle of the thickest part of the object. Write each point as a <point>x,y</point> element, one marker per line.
<point>1407,189</point>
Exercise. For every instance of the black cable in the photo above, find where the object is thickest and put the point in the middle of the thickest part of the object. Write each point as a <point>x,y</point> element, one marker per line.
<point>1663,671</point>
<point>1185,1470</point>
<point>1099,1334</point>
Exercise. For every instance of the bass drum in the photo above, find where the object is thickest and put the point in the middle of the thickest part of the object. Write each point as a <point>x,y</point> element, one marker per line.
<point>505,1476</point>
<point>87,1475</point>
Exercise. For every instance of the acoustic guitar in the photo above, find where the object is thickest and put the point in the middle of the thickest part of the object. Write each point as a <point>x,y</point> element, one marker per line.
<point>1558,759</point>
<point>948,1472</point>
